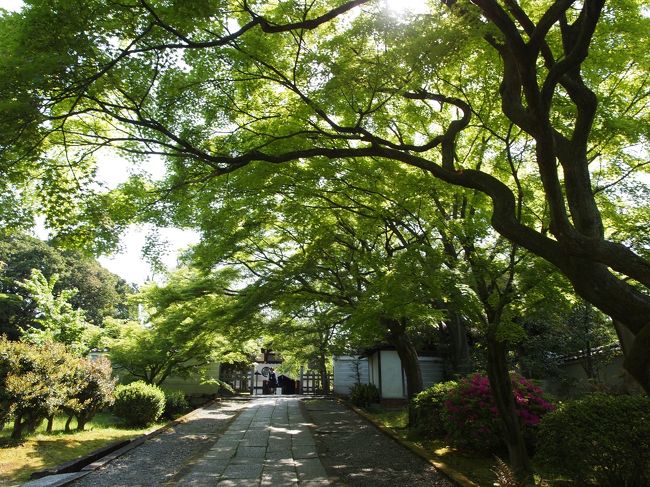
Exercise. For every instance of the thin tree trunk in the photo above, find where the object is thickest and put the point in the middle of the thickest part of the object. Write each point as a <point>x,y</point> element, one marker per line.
<point>396,335</point>
<point>460,356</point>
<point>501,386</point>
<point>67,423</point>
<point>325,381</point>
<point>17,432</point>
<point>50,423</point>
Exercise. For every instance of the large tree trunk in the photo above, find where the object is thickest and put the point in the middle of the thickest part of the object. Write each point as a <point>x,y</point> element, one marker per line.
<point>17,432</point>
<point>626,340</point>
<point>501,386</point>
<point>637,360</point>
<point>396,335</point>
<point>81,421</point>
<point>459,347</point>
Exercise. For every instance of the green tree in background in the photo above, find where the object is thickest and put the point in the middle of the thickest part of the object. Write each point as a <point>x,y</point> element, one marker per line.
<point>99,292</point>
<point>182,335</point>
<point>56,319</point>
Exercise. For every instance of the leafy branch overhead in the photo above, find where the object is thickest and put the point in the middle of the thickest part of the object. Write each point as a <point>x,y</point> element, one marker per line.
<point>543,107</point>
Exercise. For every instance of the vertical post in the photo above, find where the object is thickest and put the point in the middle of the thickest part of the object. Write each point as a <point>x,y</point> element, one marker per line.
<point>302,384</point>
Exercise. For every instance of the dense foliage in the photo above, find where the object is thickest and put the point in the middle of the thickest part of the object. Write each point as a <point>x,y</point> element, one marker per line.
<point>175,404</point>
<point>99,293</point>
<point>535,110</point>
<point>426,410</point>
<point>599,439</point>
<point>183,332</point>
<point>91,387</point>
<point>34,382</point>
<point>471,418</point>
<point>139,403</point>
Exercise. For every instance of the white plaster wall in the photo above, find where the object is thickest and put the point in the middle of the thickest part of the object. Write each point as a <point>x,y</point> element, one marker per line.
<point>345,373</point>
<point>392,378</point>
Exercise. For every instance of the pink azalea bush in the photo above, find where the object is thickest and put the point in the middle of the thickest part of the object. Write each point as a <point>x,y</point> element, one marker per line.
<point>471,417</point>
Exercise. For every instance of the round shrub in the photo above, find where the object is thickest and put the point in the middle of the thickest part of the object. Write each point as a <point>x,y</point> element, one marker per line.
<point>471,418</point>
<point>599,438</point>
<point>363,395</point>
<point>139,403</point>
<point>425,410</point>
<point>175,404</point>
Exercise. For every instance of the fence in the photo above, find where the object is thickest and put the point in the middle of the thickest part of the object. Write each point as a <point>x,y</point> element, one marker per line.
<point>239,380</point>
<point>311,383</point>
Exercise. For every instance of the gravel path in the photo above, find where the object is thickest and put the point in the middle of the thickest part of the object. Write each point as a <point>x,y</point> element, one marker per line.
<point>160,460</point>
<point>357,454</point>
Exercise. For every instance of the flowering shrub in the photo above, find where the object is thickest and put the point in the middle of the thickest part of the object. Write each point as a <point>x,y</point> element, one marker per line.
<point>471,418</point>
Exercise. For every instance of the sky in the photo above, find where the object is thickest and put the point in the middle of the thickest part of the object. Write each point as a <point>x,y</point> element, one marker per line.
<point>11,4</point>
<point>129,264</point>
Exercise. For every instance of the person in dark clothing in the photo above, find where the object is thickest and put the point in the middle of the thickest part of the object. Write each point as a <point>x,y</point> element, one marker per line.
<point>273,381</point>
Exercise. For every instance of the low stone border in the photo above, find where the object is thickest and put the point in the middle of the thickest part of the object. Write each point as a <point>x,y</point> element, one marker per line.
<point>78,463</point>
<point>452,474</point>
<point>106,454</point>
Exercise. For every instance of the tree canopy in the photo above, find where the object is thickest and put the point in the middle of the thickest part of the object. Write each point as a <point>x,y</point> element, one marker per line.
<point>541,106</point>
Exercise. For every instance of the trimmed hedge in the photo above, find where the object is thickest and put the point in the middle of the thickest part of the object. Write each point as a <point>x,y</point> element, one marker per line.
<point>600,438</point>
<point>139,403</point>
<point>363,395</point>
<point>425,410</point>
<point>175,404</point>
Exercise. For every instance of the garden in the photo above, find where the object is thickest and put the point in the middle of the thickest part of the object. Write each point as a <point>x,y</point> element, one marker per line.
<point>467,180</point>
<point>597,439</point>
<point>58,406</point>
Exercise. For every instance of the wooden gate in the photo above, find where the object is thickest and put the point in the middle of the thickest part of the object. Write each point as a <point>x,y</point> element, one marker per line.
<point>311,383</point>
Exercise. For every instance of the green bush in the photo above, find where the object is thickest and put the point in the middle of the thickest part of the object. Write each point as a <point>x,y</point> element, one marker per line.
<point>175,404</point>
<point>33,382</point>
<point>139,403</point>
<point>425,410</point>
<point>599,438</point>
<point>363,395</point>
<point>91,391</point>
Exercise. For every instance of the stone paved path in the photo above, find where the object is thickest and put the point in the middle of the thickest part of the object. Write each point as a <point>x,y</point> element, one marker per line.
<point>267,441</point>
<point>269,444</point>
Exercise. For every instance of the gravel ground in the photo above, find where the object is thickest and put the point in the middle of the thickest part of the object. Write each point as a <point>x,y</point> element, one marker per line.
<point>357,454</point>
<point>160,459</point>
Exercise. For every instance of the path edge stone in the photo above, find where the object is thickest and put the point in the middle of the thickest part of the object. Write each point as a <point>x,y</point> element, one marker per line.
<point>453,475</point>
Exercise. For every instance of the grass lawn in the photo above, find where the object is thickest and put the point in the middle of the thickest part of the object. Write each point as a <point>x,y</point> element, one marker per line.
<point>39,450</point>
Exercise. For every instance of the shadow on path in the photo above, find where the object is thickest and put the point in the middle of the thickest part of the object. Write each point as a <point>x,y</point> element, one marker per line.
<point>357,454</point>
